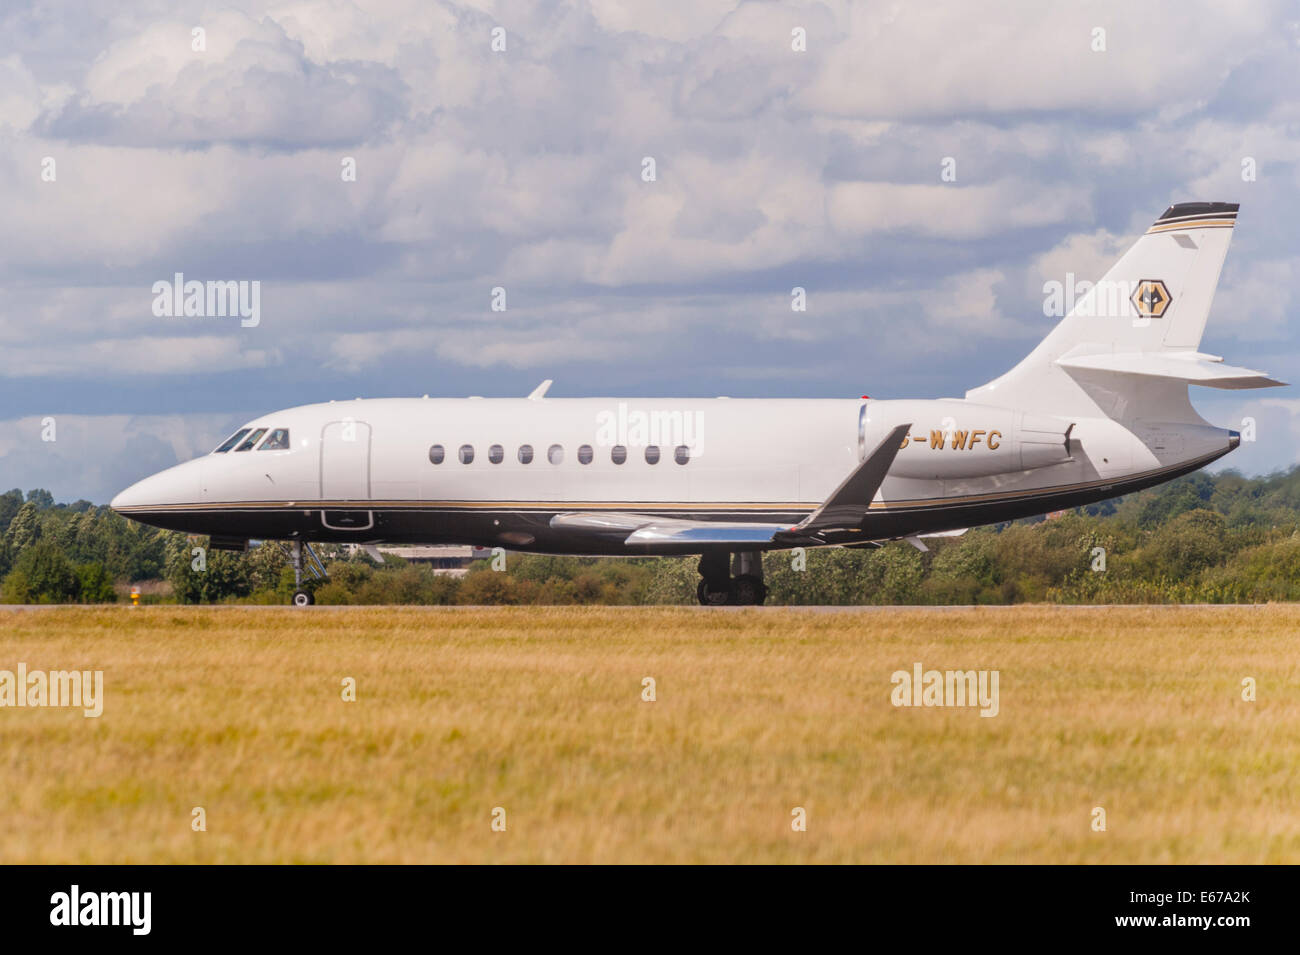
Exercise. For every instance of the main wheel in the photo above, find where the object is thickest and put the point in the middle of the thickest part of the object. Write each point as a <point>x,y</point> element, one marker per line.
<point>303,598</point>
<point>747,591</point>
<point>710,596</point>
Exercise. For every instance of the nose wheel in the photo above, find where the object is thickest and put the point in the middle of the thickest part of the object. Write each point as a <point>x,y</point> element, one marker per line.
<point>303,598</point>
<point>718,588</point>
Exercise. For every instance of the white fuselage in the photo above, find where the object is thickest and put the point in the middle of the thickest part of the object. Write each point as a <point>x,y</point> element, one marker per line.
<point>363,470</point>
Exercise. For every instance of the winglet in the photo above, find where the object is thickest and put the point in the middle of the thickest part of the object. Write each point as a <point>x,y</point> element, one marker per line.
<point>540,391</point>
<point>847,506</point>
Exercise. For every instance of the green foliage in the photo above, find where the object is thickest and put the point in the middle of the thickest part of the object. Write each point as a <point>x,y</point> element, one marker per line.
<point>890,574</point>
<point>1187,545</point>
<point>94,586</point>
<point>1170,500</point>
<point>212,577</point>
<point>673,580</point>
<point>1202,538</point>
<point>25,528</point>
<point>41,574</point>
<point>41,498</point>
<point>396,582</point>
<point>10,502</point>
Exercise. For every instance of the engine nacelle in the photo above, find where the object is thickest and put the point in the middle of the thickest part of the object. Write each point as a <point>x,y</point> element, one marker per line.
<point>958,439</point>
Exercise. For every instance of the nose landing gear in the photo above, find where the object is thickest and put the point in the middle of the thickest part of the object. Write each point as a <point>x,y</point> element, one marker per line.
<point>301,596</point>
<point>743,587</point>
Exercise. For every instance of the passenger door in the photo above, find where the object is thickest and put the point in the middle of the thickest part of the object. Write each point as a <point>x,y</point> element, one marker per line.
<point>345,473</point>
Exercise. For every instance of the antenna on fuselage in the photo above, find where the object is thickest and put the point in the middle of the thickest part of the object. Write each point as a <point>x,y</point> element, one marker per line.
<point>540,391</point>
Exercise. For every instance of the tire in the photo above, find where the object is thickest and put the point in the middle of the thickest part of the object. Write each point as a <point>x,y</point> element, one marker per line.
<point>709,597</point>
<point>747,591</point>
<point>302,598</point>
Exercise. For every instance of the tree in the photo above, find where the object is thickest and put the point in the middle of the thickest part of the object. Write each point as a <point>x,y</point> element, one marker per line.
<point>41,498</point>
<point>41,574</point>
<point>94,584</point>
<point>10,502</point>
<point>223,574</point>
<point>1188,544</point>
<point>25,529</point>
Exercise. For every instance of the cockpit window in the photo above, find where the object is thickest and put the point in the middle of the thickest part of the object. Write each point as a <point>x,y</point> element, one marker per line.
<point>251,440</point>
<point>277,440</point>
<point>231,441</point>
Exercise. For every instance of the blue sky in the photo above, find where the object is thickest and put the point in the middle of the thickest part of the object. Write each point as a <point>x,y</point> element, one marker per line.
<point>522,169</point>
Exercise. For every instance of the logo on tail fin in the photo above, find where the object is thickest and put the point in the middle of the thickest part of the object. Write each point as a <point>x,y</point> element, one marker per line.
<point>1151,298</point>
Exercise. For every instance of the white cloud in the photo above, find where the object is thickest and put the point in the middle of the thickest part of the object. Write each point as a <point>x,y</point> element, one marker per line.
<point>251,84</point>
<point>1028,57</point>
<point>124,357</point>
<point>952,211</point>
<point>477,169</point>
<point>1086,255</point>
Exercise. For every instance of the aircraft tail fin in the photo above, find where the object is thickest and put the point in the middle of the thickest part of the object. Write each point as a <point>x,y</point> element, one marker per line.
<point>1151,306</point>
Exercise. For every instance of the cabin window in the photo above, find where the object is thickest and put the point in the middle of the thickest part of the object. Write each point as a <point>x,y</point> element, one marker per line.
<point>618,454</point>
<point>555,453</point>
<point>525,454</point>
<point>682,454</point>
<point>436,454</point>
<point>496,454</point>
<point>651,454</point>
<point>277,440</point>
<point>466,453</point>
<point>251,440</point>
<point>231,441</point>
<point>584,454</point>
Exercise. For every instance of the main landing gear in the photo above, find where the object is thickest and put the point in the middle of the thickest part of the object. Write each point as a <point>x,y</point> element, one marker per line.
<point>301,596</point>
<point>743,587</point>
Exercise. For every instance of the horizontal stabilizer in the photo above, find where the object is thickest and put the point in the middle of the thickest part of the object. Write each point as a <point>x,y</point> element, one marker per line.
<point>1194,368</point>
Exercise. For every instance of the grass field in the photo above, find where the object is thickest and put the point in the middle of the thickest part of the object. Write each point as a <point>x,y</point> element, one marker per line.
<point>540,712</point>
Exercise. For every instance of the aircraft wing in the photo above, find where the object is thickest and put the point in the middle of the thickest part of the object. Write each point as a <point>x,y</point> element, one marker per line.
<point>846,508</point>
<point>844,511</point>
<point>645,531</point>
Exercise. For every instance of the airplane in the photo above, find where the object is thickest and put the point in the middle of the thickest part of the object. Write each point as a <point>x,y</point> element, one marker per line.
<point>1098,409</point>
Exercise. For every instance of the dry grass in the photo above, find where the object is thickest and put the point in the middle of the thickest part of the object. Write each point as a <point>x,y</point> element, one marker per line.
<point>539,711</point>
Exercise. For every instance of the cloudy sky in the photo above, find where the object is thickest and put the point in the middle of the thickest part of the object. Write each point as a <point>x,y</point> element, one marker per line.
<point>522,168</point>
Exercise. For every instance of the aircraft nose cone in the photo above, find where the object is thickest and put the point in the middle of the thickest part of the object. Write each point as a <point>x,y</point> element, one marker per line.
<point>176,485</point>
<point>138,495</point>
